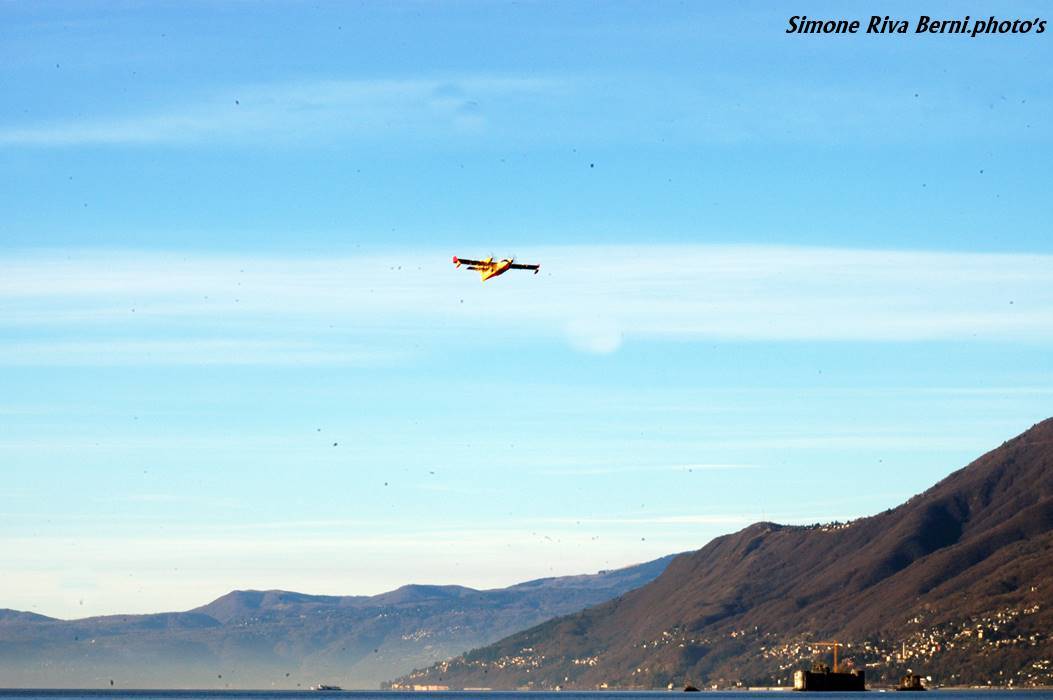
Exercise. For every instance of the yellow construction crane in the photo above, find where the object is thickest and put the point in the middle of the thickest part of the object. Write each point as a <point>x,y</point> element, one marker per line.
<point>836,645</point>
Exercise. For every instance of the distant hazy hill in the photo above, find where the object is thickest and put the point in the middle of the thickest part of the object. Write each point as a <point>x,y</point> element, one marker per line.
<point>956,583</point>
<point>280,639</point>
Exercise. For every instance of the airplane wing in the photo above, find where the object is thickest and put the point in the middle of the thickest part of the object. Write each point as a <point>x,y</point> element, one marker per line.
<point>516,266</point>
<point>463,261</point>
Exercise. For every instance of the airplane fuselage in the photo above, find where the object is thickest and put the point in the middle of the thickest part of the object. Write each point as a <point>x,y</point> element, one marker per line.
<point>495,269</point>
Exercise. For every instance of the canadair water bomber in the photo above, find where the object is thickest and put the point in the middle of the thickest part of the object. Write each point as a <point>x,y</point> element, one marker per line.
<point>492,268</point>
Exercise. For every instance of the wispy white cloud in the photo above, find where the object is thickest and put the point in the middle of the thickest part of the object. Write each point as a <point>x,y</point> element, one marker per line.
<point>174,499</point>
<point>687,519</point>
<point>993,391</point>
<point>230,351</point>
<point>864,441</point>
<point>637,469</point>
<point>724,519</point>
<point>50,443</point>
<point>296,111</point>
<point>722,108</point>
<point>457,490</point>
<point>110,307</point>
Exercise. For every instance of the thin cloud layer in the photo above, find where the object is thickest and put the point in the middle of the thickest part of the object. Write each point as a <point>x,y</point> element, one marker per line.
<point>81,308</point>
<point>721,109</point>
<point>294,111</point>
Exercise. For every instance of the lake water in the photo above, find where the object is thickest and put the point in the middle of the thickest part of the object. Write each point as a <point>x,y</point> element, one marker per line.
<point>466,695</point>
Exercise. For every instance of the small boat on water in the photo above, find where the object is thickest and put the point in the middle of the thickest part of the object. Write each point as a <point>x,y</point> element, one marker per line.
<point>323,686</point>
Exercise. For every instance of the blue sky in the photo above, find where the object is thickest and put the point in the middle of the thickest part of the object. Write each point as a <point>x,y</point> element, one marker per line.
<point>783,277</point>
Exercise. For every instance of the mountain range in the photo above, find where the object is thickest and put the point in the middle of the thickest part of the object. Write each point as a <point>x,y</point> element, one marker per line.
<point>287,640</point>
<point>955,584</point>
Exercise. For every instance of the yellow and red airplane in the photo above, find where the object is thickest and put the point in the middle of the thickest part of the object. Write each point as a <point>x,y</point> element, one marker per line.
<point>492,268</point>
